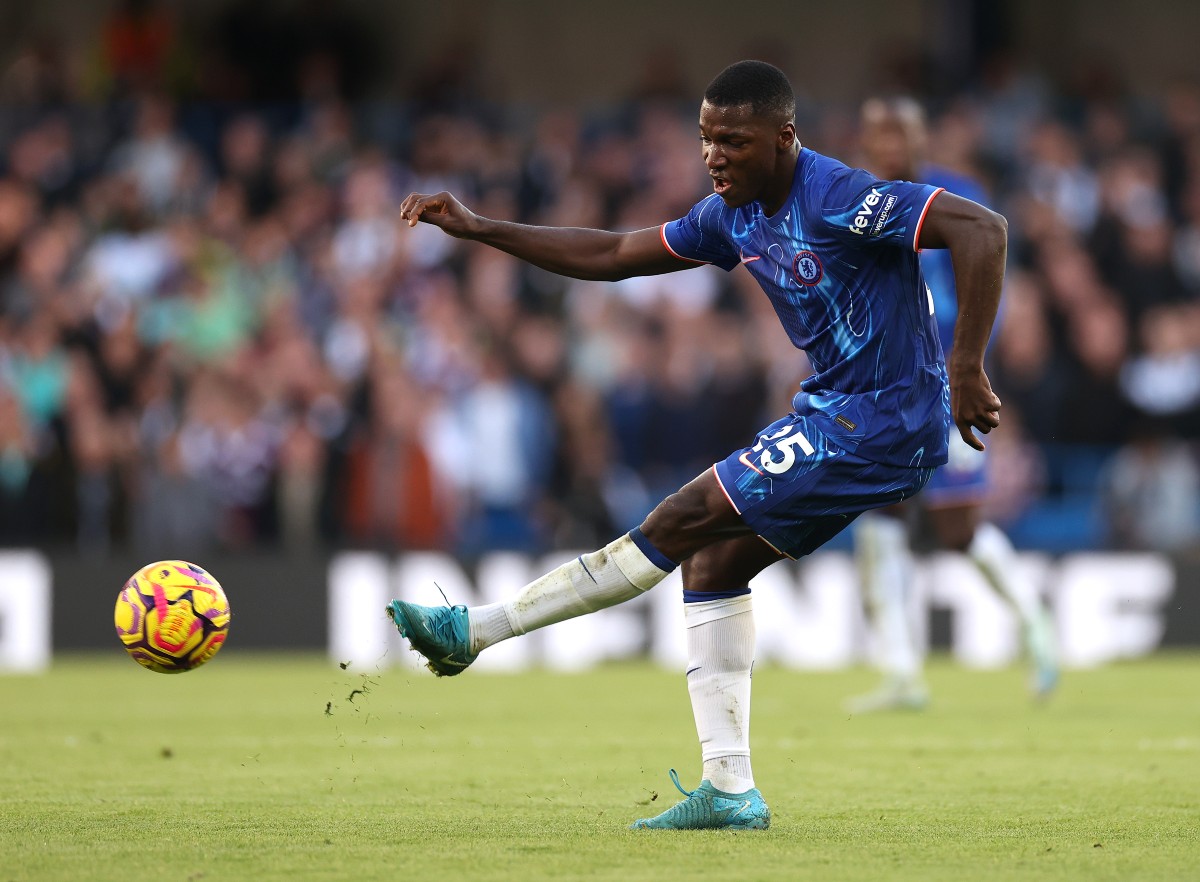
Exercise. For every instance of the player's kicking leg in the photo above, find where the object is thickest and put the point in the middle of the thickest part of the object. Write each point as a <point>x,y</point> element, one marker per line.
<point>451,638</point>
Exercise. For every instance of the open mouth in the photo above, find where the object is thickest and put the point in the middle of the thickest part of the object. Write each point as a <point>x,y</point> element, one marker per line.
<point>720,186</point>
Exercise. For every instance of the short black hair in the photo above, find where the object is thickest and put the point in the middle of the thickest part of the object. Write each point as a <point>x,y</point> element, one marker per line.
<point>763,86</point>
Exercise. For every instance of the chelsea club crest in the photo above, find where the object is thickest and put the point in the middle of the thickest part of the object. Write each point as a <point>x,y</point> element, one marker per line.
<point>806,267</point>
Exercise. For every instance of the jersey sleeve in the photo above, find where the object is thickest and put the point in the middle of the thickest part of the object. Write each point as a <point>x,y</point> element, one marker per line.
<point>699,236</point>
<point>858,208</point>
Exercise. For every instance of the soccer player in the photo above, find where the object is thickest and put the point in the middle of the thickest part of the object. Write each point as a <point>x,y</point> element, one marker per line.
<point>835,251</point>
<point>894,138</point>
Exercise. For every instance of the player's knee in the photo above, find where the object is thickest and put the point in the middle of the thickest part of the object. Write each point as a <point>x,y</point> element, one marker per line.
<point>683,520</point>
<point>671,527</point>
<point>680,512</point>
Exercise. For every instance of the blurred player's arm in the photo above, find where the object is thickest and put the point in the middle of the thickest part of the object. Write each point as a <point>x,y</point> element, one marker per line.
<point>978,241</point>
<point>569,251</point>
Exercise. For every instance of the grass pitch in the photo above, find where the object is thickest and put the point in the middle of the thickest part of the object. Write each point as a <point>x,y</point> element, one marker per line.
<point>265,768</point>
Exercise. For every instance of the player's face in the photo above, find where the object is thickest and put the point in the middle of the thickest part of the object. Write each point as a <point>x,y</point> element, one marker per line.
<point>743,153</point>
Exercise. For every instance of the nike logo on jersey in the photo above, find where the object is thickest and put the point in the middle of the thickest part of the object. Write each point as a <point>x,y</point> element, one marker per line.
<point>745,259</point>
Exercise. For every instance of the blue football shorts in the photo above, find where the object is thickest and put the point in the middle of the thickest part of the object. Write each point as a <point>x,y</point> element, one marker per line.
<point>797,489</point>
<point>961,481</point>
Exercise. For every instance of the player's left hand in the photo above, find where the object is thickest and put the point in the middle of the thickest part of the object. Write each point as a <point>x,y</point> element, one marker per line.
<point>973,404</point>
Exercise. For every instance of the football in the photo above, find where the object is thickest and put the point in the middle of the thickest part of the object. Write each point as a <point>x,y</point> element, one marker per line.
<point>172,616</point>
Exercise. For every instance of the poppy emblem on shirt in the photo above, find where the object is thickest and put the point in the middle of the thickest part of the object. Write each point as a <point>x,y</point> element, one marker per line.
<point>807,269</point>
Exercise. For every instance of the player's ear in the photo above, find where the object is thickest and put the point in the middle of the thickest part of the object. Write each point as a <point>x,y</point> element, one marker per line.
<point>786,137</point>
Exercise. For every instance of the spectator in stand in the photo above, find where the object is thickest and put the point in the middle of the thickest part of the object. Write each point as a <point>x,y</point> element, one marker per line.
<point>1151,492</point>
<point>1056,175</point>
<point>1027,364</point>
<point>393,497</point>
<point>245,159</point>
<point>498,450</point>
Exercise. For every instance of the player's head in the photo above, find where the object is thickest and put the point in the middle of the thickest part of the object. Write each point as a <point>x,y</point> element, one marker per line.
<point>748,132</point>
<point>893,137</point>
<point>762,87</point>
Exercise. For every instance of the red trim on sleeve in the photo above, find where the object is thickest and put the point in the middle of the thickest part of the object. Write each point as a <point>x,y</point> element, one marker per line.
<point>921,219</point>
<point>662,234</point>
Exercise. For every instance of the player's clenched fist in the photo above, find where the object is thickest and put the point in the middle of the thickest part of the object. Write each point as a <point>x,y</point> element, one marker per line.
<point>441,210</point>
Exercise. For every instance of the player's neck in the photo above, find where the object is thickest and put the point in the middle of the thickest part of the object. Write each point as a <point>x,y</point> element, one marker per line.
<point>781,184</point>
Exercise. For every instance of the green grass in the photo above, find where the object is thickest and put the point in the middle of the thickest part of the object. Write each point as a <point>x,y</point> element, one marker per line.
<point>236,772</point>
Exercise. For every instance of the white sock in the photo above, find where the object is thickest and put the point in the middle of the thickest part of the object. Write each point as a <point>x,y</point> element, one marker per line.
<point>720,640</point>
<point>886,567</point>
<point>618,572</point>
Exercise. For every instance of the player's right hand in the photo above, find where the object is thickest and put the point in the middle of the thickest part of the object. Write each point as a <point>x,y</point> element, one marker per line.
<point>441,210</point>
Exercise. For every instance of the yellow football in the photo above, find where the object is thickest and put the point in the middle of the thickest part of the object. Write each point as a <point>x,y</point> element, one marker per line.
<point>172,616</point>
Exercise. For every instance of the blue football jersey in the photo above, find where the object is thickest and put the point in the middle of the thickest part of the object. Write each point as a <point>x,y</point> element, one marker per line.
<point>839,263</point>
<point>935,262</point>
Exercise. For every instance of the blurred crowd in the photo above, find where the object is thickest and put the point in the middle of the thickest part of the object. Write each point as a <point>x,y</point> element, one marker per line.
<point>216,332</point>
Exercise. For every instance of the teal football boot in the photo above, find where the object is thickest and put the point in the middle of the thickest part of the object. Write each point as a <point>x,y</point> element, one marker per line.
<point>440,633</point>
<point>707,808</point>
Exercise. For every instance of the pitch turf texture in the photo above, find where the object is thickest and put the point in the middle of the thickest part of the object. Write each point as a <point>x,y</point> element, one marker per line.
<point>238,772</point>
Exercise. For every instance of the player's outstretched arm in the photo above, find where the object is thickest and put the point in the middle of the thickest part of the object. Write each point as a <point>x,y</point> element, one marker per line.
<point>978,243</point>
<point>568,251</point>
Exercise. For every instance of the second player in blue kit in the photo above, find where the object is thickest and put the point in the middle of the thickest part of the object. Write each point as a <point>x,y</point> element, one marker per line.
<point>894,137</point>
<point>835,250</point>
